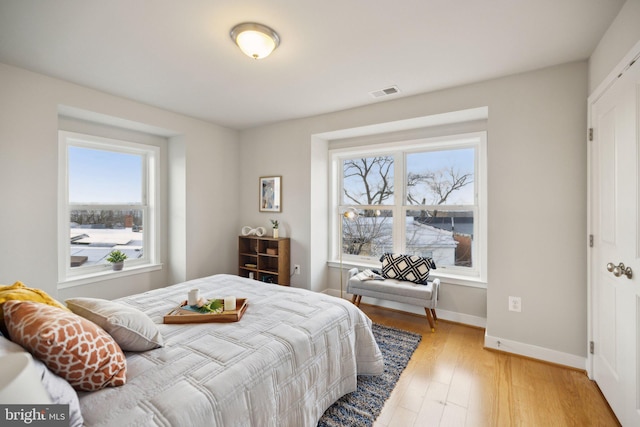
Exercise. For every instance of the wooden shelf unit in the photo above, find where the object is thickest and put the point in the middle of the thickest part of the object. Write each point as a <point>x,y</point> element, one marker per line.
<point>267,258</point>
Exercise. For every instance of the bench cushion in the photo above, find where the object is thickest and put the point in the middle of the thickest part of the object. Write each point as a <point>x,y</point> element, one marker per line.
<point>394,290</point>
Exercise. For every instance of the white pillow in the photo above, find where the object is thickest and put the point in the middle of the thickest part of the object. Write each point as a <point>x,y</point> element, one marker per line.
<point>60,391</point>
<point>130,328</point>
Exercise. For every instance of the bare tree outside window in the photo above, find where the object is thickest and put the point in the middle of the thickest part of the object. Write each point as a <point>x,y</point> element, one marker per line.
<point>440,184</point>
<point>368,181</point>
<point>439,181</point>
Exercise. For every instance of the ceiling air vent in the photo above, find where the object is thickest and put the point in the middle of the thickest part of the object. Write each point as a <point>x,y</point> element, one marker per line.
<point>392,90</point>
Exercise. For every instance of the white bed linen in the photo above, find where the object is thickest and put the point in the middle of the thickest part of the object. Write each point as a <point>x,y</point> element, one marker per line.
<point>289,358</point>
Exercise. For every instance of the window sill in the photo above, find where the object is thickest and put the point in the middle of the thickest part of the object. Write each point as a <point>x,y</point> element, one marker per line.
<point>85,279</point>
<point>453,279</point>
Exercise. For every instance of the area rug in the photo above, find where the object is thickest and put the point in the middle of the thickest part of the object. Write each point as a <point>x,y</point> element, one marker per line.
<point>362,407</point>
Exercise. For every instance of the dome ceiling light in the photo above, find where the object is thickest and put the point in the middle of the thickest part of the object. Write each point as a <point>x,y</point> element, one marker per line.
<point>255,40</point>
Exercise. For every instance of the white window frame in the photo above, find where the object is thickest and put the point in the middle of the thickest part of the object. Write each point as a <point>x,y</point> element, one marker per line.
<point>473,276</point>
<point>149,205</point>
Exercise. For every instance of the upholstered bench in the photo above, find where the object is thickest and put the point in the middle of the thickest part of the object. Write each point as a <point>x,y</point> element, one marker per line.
<point>418,294</point>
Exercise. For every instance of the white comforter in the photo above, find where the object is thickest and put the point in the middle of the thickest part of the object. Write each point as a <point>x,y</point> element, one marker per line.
<point>291,356</point>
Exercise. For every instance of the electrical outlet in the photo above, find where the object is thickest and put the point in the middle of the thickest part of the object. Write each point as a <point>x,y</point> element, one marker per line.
<point>296,269</point>
<point>515,304</point>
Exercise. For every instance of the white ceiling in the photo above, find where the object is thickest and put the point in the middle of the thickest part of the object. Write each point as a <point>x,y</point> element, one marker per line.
<point>177,54</point>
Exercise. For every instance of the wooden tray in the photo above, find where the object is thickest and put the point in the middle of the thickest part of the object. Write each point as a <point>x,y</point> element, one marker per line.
<point>181,315</point>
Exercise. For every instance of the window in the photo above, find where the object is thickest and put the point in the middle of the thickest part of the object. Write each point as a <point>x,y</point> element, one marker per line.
<point>108,200</point>
<point>424,197</point>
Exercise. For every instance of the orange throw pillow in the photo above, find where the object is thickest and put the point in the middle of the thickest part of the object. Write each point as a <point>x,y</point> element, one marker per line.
<point>73,347</point>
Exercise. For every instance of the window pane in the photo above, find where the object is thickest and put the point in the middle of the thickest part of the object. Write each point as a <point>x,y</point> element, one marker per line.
<point>95,233</point>
<point>441,177</point>
<point>368,181</point>
<point>445,236</point>
<point>369,234</point>
<point>99,176</point>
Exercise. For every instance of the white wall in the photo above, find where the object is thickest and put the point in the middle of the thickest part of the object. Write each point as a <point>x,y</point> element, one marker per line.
<point>276,150</point>
<point>201,163</point>
<point>537,198</point>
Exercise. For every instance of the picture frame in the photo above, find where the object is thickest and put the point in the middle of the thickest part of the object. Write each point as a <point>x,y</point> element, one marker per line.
<point>270,194</point>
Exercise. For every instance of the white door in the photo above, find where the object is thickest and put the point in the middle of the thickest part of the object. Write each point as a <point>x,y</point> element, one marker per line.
<point>615,219</point>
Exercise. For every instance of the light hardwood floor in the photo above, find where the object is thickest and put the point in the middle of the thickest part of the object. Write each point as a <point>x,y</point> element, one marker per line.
<point>451,380</point>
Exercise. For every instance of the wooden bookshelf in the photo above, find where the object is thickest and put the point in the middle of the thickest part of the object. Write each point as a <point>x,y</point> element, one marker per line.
<point>268,259</point>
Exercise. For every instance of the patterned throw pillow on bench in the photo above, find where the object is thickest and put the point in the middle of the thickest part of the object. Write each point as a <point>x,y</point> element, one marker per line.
<point>411,268</point>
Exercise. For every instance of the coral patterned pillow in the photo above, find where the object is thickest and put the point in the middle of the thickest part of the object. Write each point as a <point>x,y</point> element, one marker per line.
<point>71,346</point>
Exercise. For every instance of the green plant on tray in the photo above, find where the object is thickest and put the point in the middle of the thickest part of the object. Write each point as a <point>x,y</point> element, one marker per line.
<point>210,306</point>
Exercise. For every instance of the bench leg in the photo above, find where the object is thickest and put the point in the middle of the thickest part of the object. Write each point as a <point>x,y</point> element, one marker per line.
<point>356,300</point>
<point>432,323</point>
<point>433,311</point>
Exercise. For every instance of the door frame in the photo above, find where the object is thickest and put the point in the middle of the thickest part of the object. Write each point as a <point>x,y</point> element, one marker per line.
<point>633,54</point>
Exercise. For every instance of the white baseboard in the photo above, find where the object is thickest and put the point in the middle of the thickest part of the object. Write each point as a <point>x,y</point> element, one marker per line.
<point>535,352</point>
<point>452,316</point>
<point>496,343</point>
<point>465,319</point>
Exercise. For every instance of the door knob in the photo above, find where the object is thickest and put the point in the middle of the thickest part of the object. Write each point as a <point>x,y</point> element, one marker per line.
<point>619,270</point>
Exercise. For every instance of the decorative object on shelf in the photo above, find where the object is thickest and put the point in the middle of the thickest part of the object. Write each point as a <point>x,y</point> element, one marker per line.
<point>270,194</point>
<point>116,258</point>
<point>274,224</point>
<point>272,251</point>
<point>255,40</point>
<point>248,231</point>
<point>349,214</point>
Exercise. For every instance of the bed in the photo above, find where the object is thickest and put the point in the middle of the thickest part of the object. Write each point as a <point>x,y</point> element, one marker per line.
<point>290,357</point>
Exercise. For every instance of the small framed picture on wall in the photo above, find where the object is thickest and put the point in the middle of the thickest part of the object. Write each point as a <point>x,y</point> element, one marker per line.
<point>270,194</point>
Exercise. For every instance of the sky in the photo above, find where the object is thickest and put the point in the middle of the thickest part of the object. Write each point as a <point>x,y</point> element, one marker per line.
<point>463,159</point>
<point>97,176</point>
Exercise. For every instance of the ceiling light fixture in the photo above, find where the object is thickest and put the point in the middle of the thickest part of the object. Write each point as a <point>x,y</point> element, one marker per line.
<point>255,40</point>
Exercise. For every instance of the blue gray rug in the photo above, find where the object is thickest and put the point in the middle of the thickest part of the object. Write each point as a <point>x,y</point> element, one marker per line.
<point>362,407</point>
